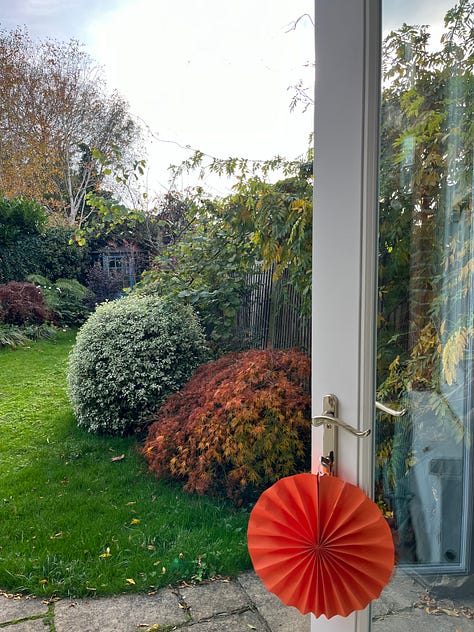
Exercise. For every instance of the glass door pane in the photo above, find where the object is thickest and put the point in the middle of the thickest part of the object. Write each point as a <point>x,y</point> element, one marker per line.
<point>423,459</point>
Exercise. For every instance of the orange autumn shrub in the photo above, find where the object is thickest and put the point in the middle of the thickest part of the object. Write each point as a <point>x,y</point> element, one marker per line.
<point>241,423</point>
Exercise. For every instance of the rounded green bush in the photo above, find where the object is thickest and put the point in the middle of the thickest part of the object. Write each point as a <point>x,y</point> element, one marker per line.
<point>129,355</point>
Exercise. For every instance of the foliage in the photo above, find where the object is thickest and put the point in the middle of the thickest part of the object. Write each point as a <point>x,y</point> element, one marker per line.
<point>281,228</point>
<point>206,267</point>
<point>108,217</point>
<point>54,113</point>
<point>15,335</point>
<point>425,209</point>
<point>129,355</point>
<point>103,285</point>
<point>241,423</point>
<point>151,229</point>
<point>49,254</point>
<point>209,261</point>
<point>11,336</point>
<point>275,217</point>
<point>65,298</point>
<point>76,522</point>
<point>425,257</point>
<point>19,217</point>
<point>22,303</point>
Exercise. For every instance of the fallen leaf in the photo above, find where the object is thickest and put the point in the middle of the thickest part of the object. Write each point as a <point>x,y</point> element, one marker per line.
<point>134,521</point>
<point>451,613</point>
<point>106,554</point>
<point>118,458</point>
<point>132,502</point>
<point>129,580</point>
<point>43,581</point>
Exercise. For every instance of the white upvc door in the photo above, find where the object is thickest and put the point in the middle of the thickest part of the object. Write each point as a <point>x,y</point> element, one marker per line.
<point>424,481</point>
<point>345,238</point>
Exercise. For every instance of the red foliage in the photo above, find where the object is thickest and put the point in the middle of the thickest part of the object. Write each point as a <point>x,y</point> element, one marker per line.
<point>21,303</point>
<point>241,423</point>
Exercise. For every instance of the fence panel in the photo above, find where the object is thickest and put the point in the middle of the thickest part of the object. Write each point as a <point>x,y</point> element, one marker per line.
<point>270,316</point>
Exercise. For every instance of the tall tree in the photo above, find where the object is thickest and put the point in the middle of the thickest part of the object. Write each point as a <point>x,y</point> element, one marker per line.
<point>54,113</point>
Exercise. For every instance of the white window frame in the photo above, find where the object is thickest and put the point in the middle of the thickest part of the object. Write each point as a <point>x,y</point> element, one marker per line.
<point>345,238</point>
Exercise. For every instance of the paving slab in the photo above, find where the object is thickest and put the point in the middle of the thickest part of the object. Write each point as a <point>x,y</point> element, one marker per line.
<point>417,620</point>
<point>13,609</point>
<point>244,622</point>
<point>279,617</point>
<point>401,593</point>
<point>126,613</point>
<point>206,600</point>
<point>37,625</point>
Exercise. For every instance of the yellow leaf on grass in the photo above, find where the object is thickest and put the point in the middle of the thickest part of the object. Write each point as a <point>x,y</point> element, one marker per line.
<point>129,580</point>
<point>43,581</point>
<point>134,521</point>
<point>106,554</point>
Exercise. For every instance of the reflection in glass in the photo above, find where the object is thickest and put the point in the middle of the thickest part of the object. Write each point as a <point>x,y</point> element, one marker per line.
<point>426,269</point>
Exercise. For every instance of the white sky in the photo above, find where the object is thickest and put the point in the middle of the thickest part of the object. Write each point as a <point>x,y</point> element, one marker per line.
<point>209,74</point>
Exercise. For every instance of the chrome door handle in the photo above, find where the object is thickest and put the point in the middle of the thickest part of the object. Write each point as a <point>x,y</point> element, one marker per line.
<point>319,420</point>
<point>330,418</point>
<point>390,411</point>
<point>329,415</point>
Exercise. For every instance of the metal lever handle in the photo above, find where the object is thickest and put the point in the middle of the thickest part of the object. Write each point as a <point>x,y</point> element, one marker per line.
<point>390,411</point>
<point>319,420</point>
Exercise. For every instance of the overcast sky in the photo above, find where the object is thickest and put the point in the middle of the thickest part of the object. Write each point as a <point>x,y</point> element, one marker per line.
<point>210,74</point>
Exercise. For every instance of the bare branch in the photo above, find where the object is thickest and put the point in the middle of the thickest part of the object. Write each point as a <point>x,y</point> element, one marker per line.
<point>293,25</point>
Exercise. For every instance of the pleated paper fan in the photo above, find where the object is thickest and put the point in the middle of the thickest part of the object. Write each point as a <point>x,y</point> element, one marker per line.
<point>320,544</point>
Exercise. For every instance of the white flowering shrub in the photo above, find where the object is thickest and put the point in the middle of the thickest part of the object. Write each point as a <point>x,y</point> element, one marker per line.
<point>129,355</point>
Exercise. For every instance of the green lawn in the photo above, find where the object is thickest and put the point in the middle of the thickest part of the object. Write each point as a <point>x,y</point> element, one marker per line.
<point>73,521</point>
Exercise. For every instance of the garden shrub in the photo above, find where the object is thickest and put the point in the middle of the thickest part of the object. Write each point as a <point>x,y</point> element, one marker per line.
<point>241,423</point>
<point>20,216</point>
<point>12,336</point>
<point>17,335</point>
<point>129,355</point>
<point>66,298</point>
<point>22,303</point>
<point>103,285</point>
<point>49,254</point>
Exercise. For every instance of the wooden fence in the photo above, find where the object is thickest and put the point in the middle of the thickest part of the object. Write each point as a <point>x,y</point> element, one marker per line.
<point>271,315</point>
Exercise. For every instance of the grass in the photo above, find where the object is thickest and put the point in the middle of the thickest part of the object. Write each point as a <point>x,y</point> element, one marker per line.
<point>74,521</point>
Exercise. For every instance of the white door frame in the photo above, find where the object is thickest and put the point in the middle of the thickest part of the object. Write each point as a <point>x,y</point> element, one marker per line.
<point>345,238</point>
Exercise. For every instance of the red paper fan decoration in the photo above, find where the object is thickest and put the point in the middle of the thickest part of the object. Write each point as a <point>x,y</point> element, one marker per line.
<point>320,544</point>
